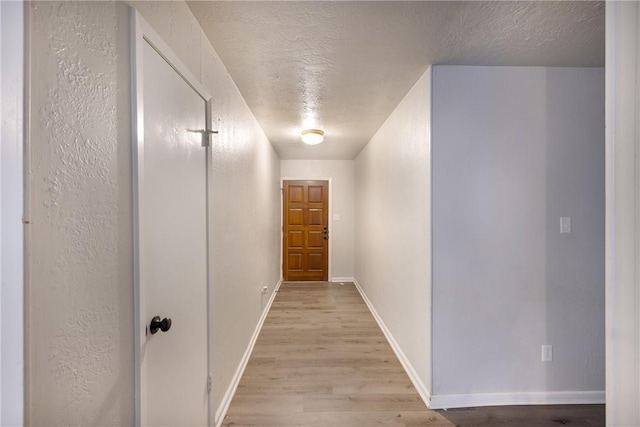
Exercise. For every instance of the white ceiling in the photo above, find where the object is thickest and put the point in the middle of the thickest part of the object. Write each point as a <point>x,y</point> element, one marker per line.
<point>343,66</point>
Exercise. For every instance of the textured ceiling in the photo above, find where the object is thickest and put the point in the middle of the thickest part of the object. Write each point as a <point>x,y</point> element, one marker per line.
<point>343,66</point>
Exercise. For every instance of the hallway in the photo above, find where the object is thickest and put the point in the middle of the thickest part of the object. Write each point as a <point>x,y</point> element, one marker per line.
<point>321,360</point>
<point>482,227</point>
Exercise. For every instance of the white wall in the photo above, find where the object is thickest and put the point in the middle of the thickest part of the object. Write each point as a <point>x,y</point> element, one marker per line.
<point>11,203</point>
<point>342,203</point>
<point>623,214</point>
<point>393,227</point>
<point>80,301</point>
<point>514,149</point>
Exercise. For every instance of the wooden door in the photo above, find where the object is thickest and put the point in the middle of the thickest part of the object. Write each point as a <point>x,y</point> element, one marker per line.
<point>306,230</point>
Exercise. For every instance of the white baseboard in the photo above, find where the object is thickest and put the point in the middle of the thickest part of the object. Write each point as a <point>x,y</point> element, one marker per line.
<point>480,399</point>
<point>342,279</point>
<point>231,390</point>
<point>525,398</point>
<point>423,391</point>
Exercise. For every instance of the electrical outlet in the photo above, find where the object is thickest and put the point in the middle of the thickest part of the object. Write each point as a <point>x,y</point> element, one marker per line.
<point>547,353</point>
<point>264,290</point>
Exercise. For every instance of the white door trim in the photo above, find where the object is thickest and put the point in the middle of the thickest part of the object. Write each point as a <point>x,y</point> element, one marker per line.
<point>12,89</point>
<point>622,213</point>
<point>142,33</point>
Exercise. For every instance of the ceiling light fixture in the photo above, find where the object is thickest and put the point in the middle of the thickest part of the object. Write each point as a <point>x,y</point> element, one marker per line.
<point>312,136</point>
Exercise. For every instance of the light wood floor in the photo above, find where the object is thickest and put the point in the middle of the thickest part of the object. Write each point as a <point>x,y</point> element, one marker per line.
<point>322,361</point>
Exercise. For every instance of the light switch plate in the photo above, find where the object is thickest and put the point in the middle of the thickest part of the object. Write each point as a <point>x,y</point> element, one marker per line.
<point>565,225</point>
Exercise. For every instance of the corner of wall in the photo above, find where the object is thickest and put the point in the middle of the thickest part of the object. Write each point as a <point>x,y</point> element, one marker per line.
<point>416,380</point>
<point>622,213</point>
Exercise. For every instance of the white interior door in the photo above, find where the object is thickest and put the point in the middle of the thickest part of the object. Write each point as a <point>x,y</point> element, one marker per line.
<point>172,245</point>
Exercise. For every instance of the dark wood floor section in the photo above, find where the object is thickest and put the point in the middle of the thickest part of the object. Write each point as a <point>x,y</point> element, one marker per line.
<point>528,416</point>
<point>322,361</point>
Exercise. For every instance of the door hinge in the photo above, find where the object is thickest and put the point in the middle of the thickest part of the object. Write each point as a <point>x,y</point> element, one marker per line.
<point>209,383</point>
<point>206,135</point>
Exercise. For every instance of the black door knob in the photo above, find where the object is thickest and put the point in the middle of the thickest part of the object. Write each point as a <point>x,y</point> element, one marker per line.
<point>156,324</point>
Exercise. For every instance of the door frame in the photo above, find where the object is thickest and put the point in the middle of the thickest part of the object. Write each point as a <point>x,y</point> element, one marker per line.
<point>14,212</point>
<point>141,33</point>
<point>330,246</point>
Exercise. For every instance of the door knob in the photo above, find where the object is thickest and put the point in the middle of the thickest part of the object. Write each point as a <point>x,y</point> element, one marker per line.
<point>156,324</point>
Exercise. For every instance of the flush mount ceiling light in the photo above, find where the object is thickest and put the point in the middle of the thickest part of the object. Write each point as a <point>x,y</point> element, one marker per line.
<point>312,136</point>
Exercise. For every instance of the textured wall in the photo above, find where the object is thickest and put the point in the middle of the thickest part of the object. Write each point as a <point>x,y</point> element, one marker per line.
<point>393,225</point>
<point>513,150</point>
<point>342,203</point>
<point>80,293</point>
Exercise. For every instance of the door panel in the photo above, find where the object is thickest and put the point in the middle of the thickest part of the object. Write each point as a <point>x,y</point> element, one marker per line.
<point>316,240</point>
<point>316,262</point>
<point>296,194</point>
<point>296,217</point>
<point>316,217</point>
<point>316,194</point>
<point>296,240</point>
<point>173,248</point>
<point>306,232</point>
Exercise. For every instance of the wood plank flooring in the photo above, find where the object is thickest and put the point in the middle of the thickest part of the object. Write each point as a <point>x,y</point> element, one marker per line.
<point>322,361</point>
